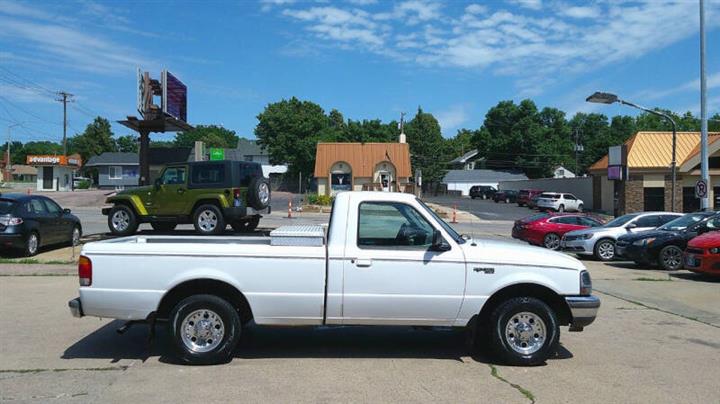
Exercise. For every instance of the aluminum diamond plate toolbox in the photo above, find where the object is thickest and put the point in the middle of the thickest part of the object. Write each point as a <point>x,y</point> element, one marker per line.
<point>301,235</point>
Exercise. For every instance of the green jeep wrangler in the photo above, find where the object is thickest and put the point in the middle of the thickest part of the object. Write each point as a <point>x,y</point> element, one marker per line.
<point>208,194</point>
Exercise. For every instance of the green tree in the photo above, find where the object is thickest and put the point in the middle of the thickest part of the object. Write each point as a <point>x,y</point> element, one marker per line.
<point>96,139</point>
<point>127,144</point>
<point>211,135</point>
<point>161,143</point>
<point>426,143</point>
<point>289,130</point>
<point>16,154</point>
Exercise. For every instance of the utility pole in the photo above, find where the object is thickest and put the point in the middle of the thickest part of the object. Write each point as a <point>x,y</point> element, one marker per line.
<point>66,97</point>
<point>704,172</point>
<point>8,164</point>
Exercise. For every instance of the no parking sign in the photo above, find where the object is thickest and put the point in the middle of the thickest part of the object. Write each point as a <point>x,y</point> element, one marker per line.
<point>701,189</point>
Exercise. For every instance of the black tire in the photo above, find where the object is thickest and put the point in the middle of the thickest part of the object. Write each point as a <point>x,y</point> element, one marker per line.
<point>472,197</point>
<point>163,226</point>
<point>521,204</point>
<point>258,193</point>
<point>551,241</point>
<point>208,219</point>
<point>494,199</point>
<point>245,226</point>
<point>32,244</point>
<point>561,208</point>
<point>507,200</point>
<point>670,258</point>
<point>230,326</point>
<point>502,343</point>
<point>599,250</point>
<point>73,241</point>
<point>122,221</point>
<point>580,207</point>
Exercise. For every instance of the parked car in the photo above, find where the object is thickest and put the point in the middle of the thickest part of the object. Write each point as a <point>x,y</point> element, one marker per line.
<point>702,254</point>
<point>208,194</point>
<point>600,241</point>
<point>482,191</point>
<point>546,229</point>
<point>532,203</point>
<point>665,244</point>
<point>526,195</point>
<point>508,196</point>
<point>29,222</point>
<point>209,289</point>
<point>559,202</point>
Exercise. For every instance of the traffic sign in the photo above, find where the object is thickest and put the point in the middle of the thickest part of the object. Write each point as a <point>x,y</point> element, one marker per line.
<point>701,189</point>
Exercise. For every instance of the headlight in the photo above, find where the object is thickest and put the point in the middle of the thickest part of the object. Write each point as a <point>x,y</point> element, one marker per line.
<point>714,250</point>
<point>587,236</point>
<point>644,242</point>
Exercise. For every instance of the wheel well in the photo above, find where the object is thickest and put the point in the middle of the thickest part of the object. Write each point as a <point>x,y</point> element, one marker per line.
<point>127,204</point>
<point>547,295</point>
<point>205,202</point>
<point>205,286</point>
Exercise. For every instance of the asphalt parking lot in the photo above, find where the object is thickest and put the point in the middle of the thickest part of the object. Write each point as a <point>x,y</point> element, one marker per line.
<point>656,339</point>
<point>483,209</point>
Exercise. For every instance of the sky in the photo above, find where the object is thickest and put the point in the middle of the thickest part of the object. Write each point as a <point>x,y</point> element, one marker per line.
<point>370,59</point>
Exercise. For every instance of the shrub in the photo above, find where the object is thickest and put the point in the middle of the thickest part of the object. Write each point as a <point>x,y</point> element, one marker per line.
<point>84,184</point>
<point>315,199</point>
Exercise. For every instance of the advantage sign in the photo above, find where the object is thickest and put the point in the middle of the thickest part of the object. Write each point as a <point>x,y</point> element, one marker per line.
<point>701,189</point>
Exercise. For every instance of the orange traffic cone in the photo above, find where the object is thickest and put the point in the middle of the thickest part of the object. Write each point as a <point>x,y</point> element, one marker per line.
<point>289,216</point>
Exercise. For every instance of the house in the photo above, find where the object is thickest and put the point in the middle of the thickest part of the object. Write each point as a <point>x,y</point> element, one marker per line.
<point>363,166</point>
<point>562,172</point>
<point>648,182</point>
<point>23,173</point>
<point>468,161</point>
<point>114,170</point>
<point>462,180</point>
<point>249,150</point>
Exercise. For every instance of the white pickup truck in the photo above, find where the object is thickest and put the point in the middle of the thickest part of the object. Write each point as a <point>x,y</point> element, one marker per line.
<point>386,259</point>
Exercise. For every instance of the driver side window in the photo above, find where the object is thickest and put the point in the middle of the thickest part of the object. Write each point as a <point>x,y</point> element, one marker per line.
<point>390,224</point>
<point>174,175</point>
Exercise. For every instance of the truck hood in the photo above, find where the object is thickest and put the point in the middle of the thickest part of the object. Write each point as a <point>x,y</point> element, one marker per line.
<point>504,252</point>
<point>136,190</point>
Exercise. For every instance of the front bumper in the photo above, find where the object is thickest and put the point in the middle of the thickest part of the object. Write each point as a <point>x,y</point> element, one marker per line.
<point>583,310</point>
<point>585,247</point>
<point>632,252</point>
<point>75,306</point>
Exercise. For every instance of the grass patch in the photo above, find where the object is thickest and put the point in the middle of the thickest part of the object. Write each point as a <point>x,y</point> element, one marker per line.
<point>653,279</point>
<point>525,392</point>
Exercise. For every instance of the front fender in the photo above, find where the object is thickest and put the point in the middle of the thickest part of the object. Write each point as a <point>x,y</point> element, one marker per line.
<point>132,200</point>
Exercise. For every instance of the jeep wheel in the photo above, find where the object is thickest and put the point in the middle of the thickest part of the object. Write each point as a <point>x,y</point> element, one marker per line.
<point>258,193</point>
<point>208,219</point>
<point>163,226</point>
<point>122,221</point>
<point>245,226</point>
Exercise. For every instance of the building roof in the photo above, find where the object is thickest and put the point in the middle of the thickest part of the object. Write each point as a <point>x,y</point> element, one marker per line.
<point>654,149</point>
<point>21,169</point>
<point>363,157</point>
<point>482,176</point>
<point>465,157</point>
<point>113,159</point>
<point>167,155</point>
<point>247,147</point>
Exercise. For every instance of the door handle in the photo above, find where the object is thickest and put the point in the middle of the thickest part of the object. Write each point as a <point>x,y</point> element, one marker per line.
<point>362,263</point>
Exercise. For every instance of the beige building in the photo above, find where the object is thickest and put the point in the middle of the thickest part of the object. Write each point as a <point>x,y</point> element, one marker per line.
<point>363,166</point>
<point>648,185</point>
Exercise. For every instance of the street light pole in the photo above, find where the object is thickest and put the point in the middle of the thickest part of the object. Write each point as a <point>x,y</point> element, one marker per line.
<point>607,98</point>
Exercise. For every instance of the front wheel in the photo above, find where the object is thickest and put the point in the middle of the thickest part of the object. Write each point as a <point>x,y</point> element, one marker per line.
<point>670,258</point>
<point>122,221</point>
<point>32,244</point>
<point>525,331</point>
<point>208,220</point>
<point>205,329</point>
<point>605,250</point>
<point>551,241</point>
<point>561,208</point>
<point>75,236</point>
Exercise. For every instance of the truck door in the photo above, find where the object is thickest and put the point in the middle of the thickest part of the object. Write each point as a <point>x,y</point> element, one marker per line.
<point>169,198</point>
<point>391,276</point>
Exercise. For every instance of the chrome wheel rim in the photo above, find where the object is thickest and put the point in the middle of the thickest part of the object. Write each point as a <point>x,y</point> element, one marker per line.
<point>264,193</point>
<point>552,241</point>
<point>672,258</point>
<point>76,236</point>
<point>120,220</point>
<point>207,220</point>
<point>525,333</point>
<point>202,330</point>
<point>32,244</point>
<point>606,250</point>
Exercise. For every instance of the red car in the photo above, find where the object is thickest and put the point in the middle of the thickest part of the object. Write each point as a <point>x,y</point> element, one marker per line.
<point>702,254</point>
<point>546,229</point>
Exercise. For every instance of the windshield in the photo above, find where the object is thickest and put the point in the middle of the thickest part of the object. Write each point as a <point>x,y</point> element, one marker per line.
<point>682,222</point>
<point>619,221</point>
<point>444,225</point>
<point>6,206</point>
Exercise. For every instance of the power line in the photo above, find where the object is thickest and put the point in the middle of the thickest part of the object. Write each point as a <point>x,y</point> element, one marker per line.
<point>27,112</point>
<point>20,79</point>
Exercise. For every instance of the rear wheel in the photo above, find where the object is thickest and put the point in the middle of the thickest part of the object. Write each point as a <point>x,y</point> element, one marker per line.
<point>580,207</point>
<point>524,331</point>
<point>208,219</point>
<point>605,250</point>
<point>258,193</point>
<point>551,241</point>
<point>122,221</point>
<point>670,258</point>
<point>245,226</point>
<point>163,226</point>
<point>561,208</point>
<point>205,329</point>
<point>32,244</point>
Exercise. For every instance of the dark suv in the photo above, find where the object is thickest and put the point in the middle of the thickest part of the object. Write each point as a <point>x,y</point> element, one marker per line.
<point>208,194</point>
<point>482,191</point>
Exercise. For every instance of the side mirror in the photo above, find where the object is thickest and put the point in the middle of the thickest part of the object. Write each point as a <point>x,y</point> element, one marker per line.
<point>158,182</point>
<point>66,210</point>
<point>631,226</point>
<point>438,242</point>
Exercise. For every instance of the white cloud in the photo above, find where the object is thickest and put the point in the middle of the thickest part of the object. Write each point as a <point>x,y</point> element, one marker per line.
<point>362,2</point>
<point>452,118</point>
<point>580,12</point>
<point>531,4</point>
<point>476,9</point>
<point>345,26</point>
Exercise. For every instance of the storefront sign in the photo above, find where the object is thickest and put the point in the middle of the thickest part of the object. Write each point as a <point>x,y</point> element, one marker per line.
<point>50,160</point>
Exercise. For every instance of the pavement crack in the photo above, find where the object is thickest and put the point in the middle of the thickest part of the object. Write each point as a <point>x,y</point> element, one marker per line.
<point>525,392</point>
<point>656,308</point>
